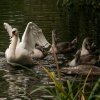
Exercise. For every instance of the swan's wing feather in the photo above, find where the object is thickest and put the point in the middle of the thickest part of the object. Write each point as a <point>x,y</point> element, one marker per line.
<point>41,39</point>
<point>39,36</point>
<point>27,38</point>
<point>32,35</point>
<point>8,28</point>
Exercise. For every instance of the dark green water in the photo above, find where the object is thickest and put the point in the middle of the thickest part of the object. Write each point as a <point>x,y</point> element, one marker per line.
<point>18,13</point>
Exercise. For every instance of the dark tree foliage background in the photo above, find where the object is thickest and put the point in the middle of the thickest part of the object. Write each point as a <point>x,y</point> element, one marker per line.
<point>81,18</point>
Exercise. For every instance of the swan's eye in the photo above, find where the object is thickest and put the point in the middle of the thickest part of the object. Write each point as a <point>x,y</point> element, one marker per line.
<point>13,32</point>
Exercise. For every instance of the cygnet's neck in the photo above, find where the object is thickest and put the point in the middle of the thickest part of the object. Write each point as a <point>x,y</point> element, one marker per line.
<point>84,51</point>
<point>75,61</point>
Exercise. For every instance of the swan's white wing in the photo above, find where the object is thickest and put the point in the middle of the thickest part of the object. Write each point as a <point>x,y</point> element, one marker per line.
<point>41,40</point>
<point>32,35</point>
<point>39,36</point>
<point>28,40</point>
<point>8,28</point>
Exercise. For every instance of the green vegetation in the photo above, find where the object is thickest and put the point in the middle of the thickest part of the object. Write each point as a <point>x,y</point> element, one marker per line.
<point>69,90</point>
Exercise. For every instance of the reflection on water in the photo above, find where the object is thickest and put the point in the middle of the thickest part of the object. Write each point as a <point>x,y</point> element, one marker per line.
<point>16,83</point>
<point>19,82</point>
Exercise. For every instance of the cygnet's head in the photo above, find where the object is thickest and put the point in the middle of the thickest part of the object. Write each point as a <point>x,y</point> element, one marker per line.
<point>74,41</point>
<point>87,43</point>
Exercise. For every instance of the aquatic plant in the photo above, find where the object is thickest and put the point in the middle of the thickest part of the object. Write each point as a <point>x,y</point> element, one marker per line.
<point>68,90</point>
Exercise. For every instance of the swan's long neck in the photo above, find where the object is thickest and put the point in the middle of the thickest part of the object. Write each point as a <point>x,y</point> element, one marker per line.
<point>13,45</point>
<point>76,60</point>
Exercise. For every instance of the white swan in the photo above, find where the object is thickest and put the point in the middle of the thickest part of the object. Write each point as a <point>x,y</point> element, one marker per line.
<point>21,52</point>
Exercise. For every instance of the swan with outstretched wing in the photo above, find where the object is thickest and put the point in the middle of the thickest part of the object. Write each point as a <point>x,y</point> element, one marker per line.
<point>22,51</point>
